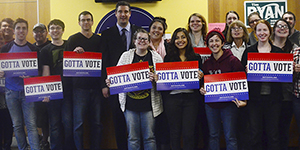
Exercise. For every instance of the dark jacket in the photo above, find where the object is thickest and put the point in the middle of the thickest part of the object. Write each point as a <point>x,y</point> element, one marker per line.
<point>226,63</point>
<point>255,87</point>
<point>112,48</point>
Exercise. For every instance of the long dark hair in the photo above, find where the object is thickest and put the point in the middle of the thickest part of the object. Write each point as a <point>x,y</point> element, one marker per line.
<point>173,51</point>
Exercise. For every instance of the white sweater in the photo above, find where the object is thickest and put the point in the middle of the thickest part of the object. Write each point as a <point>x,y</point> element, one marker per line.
<point>156,100</point>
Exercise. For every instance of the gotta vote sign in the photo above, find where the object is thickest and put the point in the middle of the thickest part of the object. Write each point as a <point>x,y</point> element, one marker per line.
<point>204,52</point>
<point>226,87</point>
<point>129,78</point>
<point>87,64</point>
<point>270,67</point>
<point>19,64</point>
<point>177,75</point>
<point>37,88</point>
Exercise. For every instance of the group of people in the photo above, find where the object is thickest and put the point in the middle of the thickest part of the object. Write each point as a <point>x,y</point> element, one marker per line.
<point>149,118</point>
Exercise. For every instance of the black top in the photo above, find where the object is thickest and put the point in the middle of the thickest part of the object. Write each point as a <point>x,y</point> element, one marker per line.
<point>255,87</point>
<point>52,56</point>
<point>140,100</point>
<point>91,44</point>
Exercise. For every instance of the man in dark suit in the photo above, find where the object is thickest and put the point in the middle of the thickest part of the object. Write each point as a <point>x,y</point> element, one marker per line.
<point>117,40</point>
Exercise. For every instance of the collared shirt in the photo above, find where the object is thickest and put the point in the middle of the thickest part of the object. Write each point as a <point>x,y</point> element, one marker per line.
<point>128,34</point>
<point>238,52</point>
<point>296,76</point>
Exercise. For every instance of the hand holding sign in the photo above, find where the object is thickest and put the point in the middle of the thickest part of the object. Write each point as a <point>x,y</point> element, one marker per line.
<point>153,76</point>
<point>297,67</point>
<point>1,74</point>
<point>79,50</point>
<point>239,103</point>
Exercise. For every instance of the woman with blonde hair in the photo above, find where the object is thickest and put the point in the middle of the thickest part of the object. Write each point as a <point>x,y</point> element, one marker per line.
<point>237,38</point>
<point>197,29</point>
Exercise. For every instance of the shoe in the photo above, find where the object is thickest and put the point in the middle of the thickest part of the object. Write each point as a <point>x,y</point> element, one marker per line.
<point>44,145</point>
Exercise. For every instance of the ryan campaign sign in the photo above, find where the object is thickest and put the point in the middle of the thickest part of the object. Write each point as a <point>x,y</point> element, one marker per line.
<point>129,78</point>
<point>87,64</point>
<point>204,52</point>
<point>37,88</point>
<point>19,64</point>
<point>226,87</point>
<point>177,75</point>
<point>270,67</point>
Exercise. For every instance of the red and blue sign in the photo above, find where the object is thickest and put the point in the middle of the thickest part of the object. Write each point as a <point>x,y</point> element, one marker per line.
<point>177,75</point>
<point>226,87</point>
<point>270,67</point>
<point>204,52</point>
<point>87,64</point>
<point>19,64</point>
<point>129,78</point>
<point>37,88</point>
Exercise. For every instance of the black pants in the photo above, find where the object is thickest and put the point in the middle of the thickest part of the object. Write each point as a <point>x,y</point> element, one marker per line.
<point>119,122</point>
<point>6,129</point>
<point>264,114</point>
<point>181,111</point>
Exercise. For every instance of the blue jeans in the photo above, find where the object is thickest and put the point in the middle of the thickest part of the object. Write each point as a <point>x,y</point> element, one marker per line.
<point>215,117</point>
<point>140,123</point>
<point>67,114</point>
<point>54,115</point>
<point>21,111</point>
<point>87,100</point>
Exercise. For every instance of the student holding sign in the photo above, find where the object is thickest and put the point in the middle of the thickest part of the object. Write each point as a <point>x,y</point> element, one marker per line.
<point>20,111</point>
<point>86,90</point>
<point>141,107</point>
<point>181,106</point>
<point>264,97</point>
<point>158,26</point>
<point>221,61</point>
<point>51,61</point>
<point>237,39</point>
<point>197,29</point>
<point>281,31</point>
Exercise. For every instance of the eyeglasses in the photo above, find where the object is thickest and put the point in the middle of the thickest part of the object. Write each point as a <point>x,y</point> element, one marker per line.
<point>288,18</point>
<point>57,28</point>
<point>282,26</point>
<point>256,20</point>
<point>236,28</point>
<point>142,39</point>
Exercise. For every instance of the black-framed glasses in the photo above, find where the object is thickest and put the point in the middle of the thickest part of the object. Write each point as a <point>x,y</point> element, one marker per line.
<point>256,20</point>
<point>142,39</point>
<point>282,26</point>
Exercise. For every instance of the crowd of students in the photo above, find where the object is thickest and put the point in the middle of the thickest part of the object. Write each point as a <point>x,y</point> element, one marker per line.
<point>149,118</point>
